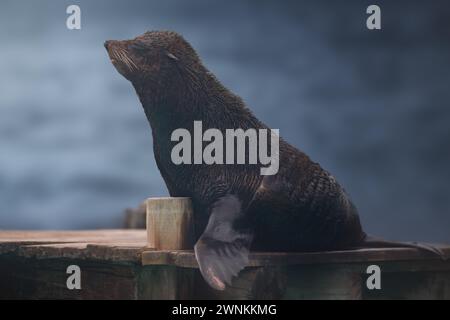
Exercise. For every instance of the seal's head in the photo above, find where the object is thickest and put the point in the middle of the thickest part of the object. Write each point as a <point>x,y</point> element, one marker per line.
<point>151,56</point>
<point>169,77</point>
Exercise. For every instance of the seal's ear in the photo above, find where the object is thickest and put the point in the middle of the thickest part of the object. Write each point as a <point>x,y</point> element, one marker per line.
<point>171,56</point>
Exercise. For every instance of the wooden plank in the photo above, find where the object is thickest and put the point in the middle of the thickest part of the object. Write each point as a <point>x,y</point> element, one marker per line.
<point>170,223</point>
<point>29,278</point>
<point>71,236</point>
<point>187,258</point>
<point>118,265</point>
<point>119,252</point>
<point>135,218</point>
<point>108,245</point>
<point>165,283</point>
<point>102,244</point>
<point>321,275</point>
<point>267,283</point>
<point>323,282</point>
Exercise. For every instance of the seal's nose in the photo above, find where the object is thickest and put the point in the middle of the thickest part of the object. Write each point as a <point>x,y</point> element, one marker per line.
<point>107,44</point>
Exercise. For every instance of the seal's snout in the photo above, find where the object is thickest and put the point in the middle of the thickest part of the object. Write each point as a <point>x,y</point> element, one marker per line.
<point>113,44</point>
<point>120,58</point>
<point>107,44</point>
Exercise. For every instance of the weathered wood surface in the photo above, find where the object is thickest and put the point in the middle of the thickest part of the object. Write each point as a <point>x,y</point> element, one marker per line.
<point>170,223</point>
<point>117,264</point>
<point>135,218</point>
<point>186,258</point>
<point>97,236</point>
<point>406,274</point>
<point>131,245</point>
<point>110,245</point>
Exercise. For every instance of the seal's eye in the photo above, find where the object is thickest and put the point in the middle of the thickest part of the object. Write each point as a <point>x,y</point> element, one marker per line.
<point>138,46</point>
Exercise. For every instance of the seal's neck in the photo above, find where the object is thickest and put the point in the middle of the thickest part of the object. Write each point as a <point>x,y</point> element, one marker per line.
<point>166,111</point>
<point>182,97</point>
<point>189,97</point>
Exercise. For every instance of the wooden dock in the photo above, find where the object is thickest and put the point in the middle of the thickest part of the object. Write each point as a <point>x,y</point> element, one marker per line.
<point>117,264</point>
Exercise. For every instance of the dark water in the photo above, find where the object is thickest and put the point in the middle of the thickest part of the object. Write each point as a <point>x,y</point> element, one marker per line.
<point>371,106</point>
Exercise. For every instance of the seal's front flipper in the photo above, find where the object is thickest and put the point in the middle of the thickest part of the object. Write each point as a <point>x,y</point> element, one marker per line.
<point>220,261</point>
<point>222,250</point>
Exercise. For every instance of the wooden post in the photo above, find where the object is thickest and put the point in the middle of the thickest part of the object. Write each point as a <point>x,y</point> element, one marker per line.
<point>170,224</point>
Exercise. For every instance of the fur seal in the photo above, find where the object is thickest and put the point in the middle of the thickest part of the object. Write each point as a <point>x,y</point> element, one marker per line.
<point>301,208</point>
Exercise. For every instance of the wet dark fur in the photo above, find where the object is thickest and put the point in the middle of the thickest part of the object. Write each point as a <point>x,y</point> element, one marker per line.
<point>302,208</point>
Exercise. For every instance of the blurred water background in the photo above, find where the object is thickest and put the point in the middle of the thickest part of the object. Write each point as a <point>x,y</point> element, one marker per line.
<point>371,106</point>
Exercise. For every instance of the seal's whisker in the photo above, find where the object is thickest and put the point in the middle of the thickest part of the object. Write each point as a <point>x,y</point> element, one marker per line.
<point>134,64</point>
<point>127,61</point>
<point>116,55</point>
<point>130,61</point>
<point>124,59</point>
